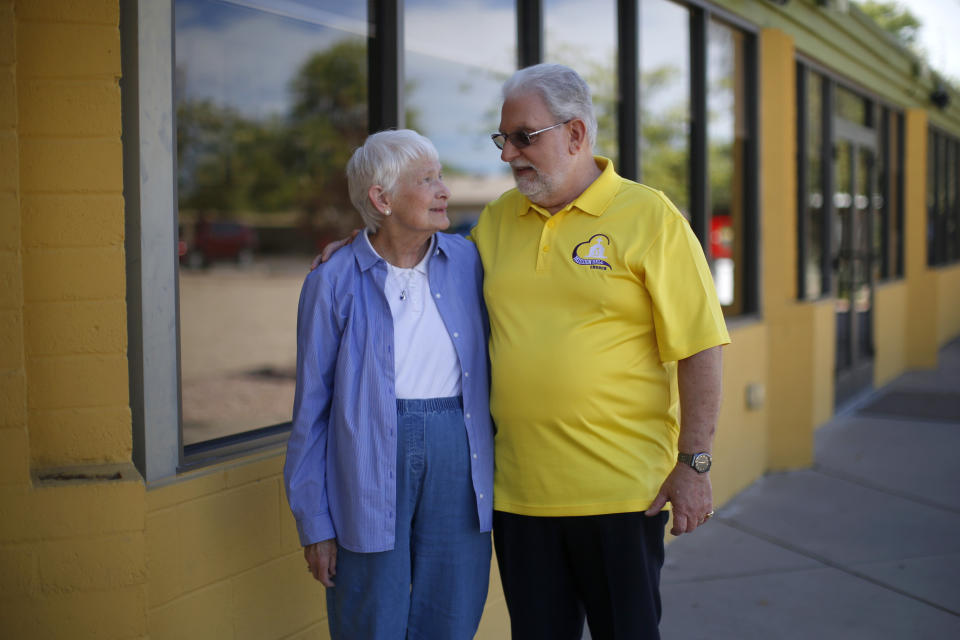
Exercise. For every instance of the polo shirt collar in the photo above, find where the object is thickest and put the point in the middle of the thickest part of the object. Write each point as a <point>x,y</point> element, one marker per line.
<point>594,200</point>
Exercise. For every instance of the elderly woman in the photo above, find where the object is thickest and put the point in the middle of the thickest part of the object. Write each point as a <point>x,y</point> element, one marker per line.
<point>389,468</point>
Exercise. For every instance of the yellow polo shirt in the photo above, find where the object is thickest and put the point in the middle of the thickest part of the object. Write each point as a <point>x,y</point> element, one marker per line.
<point>589,311</point>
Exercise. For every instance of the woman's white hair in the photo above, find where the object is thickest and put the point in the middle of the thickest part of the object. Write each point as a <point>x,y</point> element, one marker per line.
<point>380,161</point>
<point>563,90</point>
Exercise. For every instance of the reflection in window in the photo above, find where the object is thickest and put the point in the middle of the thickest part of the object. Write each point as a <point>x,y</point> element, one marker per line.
<point>665,100</point>
<point>813,276</point>
<point>888,233</point>
<point>458,54</point>
<point>952,200</point>
<point>583,36</point>
<point>851,106</point>
<point>943,199</point>
<point>271,99</point>
<point>727,145</point>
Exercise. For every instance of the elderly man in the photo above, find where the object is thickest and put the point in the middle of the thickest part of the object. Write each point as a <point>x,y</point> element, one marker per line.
<point>603,320</point>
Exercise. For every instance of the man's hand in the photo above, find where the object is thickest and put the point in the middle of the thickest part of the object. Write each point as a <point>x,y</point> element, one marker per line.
<point>691,495</point>
<point>321,560</point>
<point>327,252</point>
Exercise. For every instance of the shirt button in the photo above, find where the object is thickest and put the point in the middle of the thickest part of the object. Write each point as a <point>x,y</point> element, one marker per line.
<point>474,456</point>
<point>467,416</point>
<point>546,248</point>
<point>456,335</point>
<point>466,374</point>
<point>481,496</point>
<point>550,223</point>
<point>438,295</point>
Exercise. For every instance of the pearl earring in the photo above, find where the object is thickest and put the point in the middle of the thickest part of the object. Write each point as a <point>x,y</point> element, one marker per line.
<point>387,212</point>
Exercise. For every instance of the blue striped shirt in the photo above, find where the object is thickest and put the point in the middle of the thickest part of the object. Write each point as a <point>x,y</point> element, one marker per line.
<point>340,471</point>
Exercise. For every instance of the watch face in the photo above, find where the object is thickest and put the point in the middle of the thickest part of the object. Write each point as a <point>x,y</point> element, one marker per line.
<point>702,462</point>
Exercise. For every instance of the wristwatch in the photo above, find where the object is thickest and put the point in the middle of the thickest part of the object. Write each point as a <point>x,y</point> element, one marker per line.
<point>699,462</point>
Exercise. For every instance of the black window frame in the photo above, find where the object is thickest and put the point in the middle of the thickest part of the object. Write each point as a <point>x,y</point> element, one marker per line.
<point>877,112</point>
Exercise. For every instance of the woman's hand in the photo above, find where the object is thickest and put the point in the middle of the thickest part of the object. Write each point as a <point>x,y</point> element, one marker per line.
<point>321,560</point>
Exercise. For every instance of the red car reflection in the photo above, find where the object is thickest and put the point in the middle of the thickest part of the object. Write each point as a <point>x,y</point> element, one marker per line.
<point>218,241</point>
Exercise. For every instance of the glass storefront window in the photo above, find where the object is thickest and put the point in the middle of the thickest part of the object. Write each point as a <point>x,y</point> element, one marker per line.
<point>271,99</point>
<point>458,54</point>
<point>664,98</point>
<point>851,106</point>
<point>728,131</point>
<point>951,215</point>
<point>812,270</point>
<point>888,231</point>
<point>583,36</point>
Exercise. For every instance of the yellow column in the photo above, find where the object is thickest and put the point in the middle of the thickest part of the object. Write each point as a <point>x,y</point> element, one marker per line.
<point>922,298</point>
<point>14,445</point>
<point>795,363</point>
<point>72,561</point>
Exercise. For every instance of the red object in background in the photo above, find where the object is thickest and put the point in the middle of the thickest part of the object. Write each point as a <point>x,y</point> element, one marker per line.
<point>215,241</point>
<point>721,237</point>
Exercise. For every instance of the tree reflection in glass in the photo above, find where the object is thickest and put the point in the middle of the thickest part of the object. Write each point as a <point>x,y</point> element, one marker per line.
<point>271,99</point>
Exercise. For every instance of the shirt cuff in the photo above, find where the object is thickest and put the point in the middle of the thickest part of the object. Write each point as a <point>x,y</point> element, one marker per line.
<point>315,529</point>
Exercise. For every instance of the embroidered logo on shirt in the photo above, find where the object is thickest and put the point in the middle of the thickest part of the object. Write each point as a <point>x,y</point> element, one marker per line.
<point>594,256</point>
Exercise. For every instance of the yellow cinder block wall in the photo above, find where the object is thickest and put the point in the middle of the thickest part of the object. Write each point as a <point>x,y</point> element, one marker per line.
<point>890,331</point>
<point>72,555</point>
<point>922,331</point>
<point>795,370</point>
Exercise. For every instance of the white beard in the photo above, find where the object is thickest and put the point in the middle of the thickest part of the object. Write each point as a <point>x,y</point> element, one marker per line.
<point>537,186</point>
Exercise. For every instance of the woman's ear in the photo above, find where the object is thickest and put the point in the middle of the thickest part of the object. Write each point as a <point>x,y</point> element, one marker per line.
<point>380,199</point>
<point>578,135</point>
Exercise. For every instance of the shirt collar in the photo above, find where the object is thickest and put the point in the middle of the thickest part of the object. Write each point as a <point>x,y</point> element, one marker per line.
<point>594,200</point>
<point>367,256</point>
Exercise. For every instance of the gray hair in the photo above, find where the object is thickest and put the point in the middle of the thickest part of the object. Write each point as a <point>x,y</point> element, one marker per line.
<point>563,90</point>
<point>381,161</point>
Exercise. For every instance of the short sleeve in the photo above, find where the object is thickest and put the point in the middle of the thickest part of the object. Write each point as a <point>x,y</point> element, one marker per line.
<point>686,313</point>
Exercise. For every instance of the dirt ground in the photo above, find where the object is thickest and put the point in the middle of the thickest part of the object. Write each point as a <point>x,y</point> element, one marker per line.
<point>238,345</point>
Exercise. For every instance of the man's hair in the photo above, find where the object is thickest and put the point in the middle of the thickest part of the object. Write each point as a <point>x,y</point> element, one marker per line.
<point>563,90</point>
<point>381,161</point>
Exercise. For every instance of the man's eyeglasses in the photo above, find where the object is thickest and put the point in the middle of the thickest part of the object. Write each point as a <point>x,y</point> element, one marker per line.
<point>521,139</point>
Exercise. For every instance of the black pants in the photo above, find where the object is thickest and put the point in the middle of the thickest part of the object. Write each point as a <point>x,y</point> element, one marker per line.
<point>556,570</point>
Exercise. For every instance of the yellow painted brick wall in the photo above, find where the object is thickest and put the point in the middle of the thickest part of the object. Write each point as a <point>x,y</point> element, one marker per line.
<point>222,552</point>
<point>741,430</point>
<point>72,553</point>
<point>921,282</point>
<point>789,354</point>
<point>890,331</point>
<point>224,560</point>
<point>71,184</point>
<point>14,442</point>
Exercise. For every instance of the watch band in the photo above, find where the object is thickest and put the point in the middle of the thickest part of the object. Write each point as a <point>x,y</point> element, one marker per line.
<point>699,462</point>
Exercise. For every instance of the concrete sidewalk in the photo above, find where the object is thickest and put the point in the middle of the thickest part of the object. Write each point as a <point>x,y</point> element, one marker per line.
<point>865,544</point>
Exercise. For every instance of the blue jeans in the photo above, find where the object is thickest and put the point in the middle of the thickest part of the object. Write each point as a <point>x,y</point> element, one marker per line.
<point>433,584</point>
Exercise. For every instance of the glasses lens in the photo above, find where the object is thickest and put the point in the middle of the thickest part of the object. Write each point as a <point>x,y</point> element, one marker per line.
<point>499,139</point>
<point>520,139</point>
